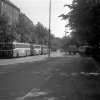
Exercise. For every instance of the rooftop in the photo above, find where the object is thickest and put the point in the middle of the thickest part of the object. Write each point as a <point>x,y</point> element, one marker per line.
<point>9,2</point>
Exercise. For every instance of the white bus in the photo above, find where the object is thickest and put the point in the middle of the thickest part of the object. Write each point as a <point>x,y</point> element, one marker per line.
<point>44,49</point>
<point>14,49</point>
<point>36,49</point>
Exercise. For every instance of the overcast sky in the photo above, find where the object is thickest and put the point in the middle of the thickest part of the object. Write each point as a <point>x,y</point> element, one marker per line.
<point>38,11</point>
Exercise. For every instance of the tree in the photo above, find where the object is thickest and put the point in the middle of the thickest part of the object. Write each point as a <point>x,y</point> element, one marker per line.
<point>41,33</point>
<point>7,32</point>
<point>26,32</point>
<point>84,20</point>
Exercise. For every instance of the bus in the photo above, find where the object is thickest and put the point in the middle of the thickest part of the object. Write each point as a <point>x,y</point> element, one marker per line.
<point>44,49</point>
<point>35,49</point>
<point>85,50</point>
<point>14,49</point>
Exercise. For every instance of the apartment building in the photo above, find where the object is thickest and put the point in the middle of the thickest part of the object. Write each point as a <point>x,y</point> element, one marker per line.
<point>11,11</point>
<point>25,19</point>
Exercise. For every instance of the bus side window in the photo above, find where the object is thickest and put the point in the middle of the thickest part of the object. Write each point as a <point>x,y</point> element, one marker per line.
<point>18,45</point>
<point>26,46</point>
<point>23,46</point>
<point>14,46</point>
<point>33,47</point>
<point>0,47</point>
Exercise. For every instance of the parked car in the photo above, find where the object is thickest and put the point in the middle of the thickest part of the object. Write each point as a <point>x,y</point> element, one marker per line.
<point>85,50</point>
<point>72,49</point>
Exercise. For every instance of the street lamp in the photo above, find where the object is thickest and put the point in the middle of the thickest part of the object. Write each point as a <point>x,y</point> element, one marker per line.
<point>49,28</point>
<point>66,39</point>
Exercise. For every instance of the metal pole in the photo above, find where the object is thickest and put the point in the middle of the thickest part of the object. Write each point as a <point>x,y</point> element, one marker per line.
<point>65,40</point>
<point>49,28</point>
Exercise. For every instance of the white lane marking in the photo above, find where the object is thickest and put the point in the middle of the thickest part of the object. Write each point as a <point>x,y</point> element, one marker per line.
<point>48,77</point>
<point>27,95</point>
<point>96,64</point>
<point>58,69</point>
<point>80,73</point>
<point>8,67</point>
<point>49,98</point>
<point>74,74</point>
<point>4,88</point>
<point>34,93</point>
<point>3,72</point>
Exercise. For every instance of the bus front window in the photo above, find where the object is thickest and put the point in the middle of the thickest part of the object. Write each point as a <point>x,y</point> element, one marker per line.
<point>0,46</point>
<point>7,47</point>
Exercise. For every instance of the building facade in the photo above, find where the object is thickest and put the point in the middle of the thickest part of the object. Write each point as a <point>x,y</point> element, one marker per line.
<point>25,19</point>
<point>10,10</point>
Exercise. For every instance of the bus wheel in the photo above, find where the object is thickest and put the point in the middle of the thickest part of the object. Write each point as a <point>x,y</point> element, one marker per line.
<point>34,53</point>
<point>17,54</point>
<point>26,53</point>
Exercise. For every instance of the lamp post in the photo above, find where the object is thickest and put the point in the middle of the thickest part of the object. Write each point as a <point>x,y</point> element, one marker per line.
<point>66,39</point>
<point>49,28</point>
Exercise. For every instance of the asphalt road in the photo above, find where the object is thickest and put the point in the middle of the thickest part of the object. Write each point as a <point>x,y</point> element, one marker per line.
<point>62,77</point>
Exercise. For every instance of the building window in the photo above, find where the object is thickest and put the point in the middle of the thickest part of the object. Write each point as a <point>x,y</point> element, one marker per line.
<point>16,18</point>
<point>8,14</point>
<point>16,11</point>
<point>11,16</point>
<point>5,6</point>
<point>2,4</point>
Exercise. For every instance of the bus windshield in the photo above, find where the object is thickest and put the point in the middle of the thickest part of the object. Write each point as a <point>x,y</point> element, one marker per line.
<point>6,46</point>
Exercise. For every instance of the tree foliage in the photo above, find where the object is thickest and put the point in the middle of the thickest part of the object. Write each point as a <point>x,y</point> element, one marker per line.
<point>84,21</point>
<point>41,33</point>
<point>7,32</point>
<point>26,32</point>
<point>23,32</point>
